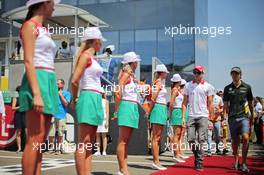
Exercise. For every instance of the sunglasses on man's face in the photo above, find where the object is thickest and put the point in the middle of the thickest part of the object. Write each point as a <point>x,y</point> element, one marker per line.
<point>197,73</point>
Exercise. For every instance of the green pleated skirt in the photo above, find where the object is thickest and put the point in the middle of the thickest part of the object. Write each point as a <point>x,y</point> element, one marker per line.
<point>176,117</point>
<point>128,114</point>
<point>49,92</point>
<point>158,114</point>
<point>89,108</point>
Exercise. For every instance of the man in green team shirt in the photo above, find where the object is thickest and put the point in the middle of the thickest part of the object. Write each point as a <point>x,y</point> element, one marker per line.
<point>238,101</point>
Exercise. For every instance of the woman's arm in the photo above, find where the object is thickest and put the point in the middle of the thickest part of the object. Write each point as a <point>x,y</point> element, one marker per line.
<point>84,61</point>
<point>172,99</point>
<point>107,110</point>
<point>107,113</point>
<point>155,91</point>
<point>28,39</point>
<point>14,102</point>
<point>184,108</point>
<point>118,95</point>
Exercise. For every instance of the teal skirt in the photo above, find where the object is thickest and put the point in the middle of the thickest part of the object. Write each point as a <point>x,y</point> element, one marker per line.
<point>128,114</point>
<point>48,89</point>
<point>158,114</point>
<point>89,108</point>
<point>176,117</point>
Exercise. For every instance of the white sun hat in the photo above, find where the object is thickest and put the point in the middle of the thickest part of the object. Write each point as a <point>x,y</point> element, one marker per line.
<point>92,33</point>
<point>161,68</point>
<point>111,47</point>
<point>183,82</point>
<point>32,2</point>
<point>176,78</point>
<point>131,57</point>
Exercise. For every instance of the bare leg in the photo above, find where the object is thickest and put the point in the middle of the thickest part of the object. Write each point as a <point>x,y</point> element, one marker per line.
<point>38,127</point>
<point>245,138</point>
<point>121,151</point>
<point>177,141</point>
<point>51,143</point>
<point>98,141</point>
<point>156,133</point>
<point>182,138</point>
<point>104,142</point>
<point>235,147</point>
<point>18,139</point>
<point>83,154</point>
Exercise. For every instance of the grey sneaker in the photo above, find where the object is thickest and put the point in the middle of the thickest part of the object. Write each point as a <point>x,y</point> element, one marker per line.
<point>209,154</point>
<point>236,166</point>
<point>244,168</point>
<point>199,167</point>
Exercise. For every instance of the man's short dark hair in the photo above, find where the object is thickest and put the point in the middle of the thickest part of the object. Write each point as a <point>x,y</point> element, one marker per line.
<point>64,44</point>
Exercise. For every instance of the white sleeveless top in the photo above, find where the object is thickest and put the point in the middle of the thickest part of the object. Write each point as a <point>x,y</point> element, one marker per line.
<point>91,77</point>
<point>178,101</point>
<point>162,95</point>
<point>45,48</point>
<point>130,91</point>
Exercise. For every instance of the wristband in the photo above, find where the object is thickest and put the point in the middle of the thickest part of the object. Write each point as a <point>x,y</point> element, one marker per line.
<point>115,115</point>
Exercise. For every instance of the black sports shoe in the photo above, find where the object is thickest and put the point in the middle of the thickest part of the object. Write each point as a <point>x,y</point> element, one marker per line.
<point>218,152</point>
<point>225,151</point>
<point>199,167</point>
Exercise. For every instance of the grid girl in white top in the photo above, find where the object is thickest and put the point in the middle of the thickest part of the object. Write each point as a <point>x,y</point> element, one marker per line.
<point>158,114</point>
<point>38,95</point>
<point>89,108</point>
<point>126,108</point>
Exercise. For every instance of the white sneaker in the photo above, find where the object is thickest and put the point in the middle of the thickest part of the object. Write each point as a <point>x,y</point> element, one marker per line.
<point>104,153</point>
<point>179,160</point>
<point>158,167</point>
<point>97,153</point>
<point>119,173</point>
<point>184,156</point>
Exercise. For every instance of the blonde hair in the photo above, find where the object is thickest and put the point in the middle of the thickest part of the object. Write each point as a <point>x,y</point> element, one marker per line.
<point>126,68</point>
<point>156,76</point>
<point>84,46</point>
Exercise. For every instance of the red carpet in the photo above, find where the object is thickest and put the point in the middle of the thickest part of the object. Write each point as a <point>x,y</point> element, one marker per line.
<point>215,165</point>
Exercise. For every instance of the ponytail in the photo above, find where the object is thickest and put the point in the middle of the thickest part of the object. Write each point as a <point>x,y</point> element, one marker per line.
<point>32,9</point>
<point>84,46</point>
<point>126,68</point>
<point>156,76</point>
<point>77,57</point>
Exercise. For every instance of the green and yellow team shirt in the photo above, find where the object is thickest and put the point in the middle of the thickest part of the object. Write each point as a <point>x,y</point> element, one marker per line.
<point>238,99</point>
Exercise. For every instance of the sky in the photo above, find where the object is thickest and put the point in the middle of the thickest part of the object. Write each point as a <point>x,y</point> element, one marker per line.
<point>243,48</point>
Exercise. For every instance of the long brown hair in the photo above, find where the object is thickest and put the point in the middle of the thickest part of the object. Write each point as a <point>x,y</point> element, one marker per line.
<point>173,85</point>
<point>32,9</point>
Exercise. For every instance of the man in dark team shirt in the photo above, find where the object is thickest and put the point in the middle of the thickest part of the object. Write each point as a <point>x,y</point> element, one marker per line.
<point>238,101</point>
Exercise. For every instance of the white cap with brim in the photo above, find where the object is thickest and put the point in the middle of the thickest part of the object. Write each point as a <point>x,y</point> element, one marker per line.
<point>183,82</point>
<point>93,33</point>
<point>111,47</point>
<point>130,57</point>
<point>161,68</point>
<point>176,78</point>
<point>32,2</point>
